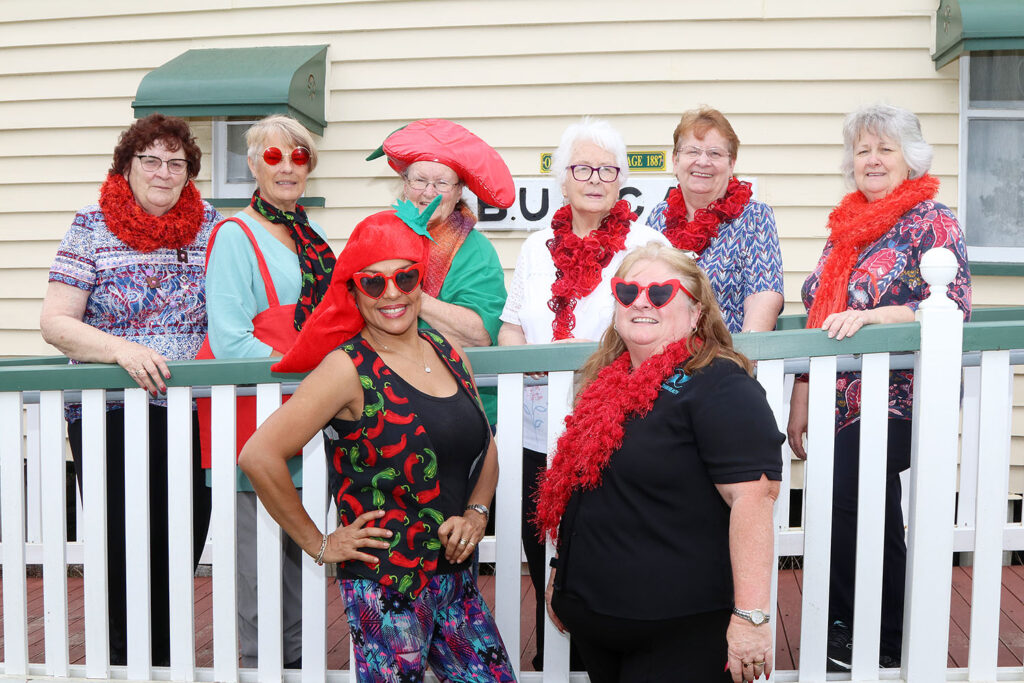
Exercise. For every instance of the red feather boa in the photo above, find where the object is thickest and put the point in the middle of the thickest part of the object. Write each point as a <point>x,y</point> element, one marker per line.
<point>854,224</point>
<point>695,235</point>
<point>580,260</point>
<point>143,231</point>
<point>596,426</point>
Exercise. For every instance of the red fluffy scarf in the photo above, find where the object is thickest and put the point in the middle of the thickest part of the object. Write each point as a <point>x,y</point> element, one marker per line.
<point>143,231</point>
<point>854,224</point>
<point>695,235</point>
<point>595,428</point>
<point>580,260</point>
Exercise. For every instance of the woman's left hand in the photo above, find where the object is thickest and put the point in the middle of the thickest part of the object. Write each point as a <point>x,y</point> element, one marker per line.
<point>750,650</point>
<point>845,324</point>
<point>459,535</point>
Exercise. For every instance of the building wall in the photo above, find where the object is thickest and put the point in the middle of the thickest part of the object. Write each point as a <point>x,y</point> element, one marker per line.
<point>516,72</point>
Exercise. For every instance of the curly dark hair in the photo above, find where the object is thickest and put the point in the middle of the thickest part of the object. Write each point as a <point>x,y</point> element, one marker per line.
<point>172,131</point>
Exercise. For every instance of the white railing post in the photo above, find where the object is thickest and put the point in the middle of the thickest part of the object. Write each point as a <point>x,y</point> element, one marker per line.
<point>138,562</point>
<point>933,475</point>
<point>181,571</point>
<point>55,571</point>
<point>94,521</point>
<point>222,523</point>
<point>507,525</point>
<point>314,578</point>
<point>992,483</point>
<point>12,517</point>
<point>268,565</point>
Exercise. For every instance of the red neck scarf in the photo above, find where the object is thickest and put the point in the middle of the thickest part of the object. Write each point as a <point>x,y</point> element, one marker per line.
<point>580,260</point>
<point>854,224</point>
<point>448,238</point>
<point>695,235</point>
<point>595,428</point>
<point>145,232</point>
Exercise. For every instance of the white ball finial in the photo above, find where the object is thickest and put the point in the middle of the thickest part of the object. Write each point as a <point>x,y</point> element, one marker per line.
<point>938,268</point>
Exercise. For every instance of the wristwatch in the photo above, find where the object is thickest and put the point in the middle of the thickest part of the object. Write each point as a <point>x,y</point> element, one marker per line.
<point>754,616</point>
<point>482,509</point>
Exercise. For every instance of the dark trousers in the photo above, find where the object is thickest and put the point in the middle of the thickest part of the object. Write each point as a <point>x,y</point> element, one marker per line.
<point>534,464</point>
<point>116,546</point>
<point>689,649</point>
<point>844,531</point>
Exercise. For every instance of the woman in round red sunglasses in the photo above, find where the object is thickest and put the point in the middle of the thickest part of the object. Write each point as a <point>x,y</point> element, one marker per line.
<point>686,465</point>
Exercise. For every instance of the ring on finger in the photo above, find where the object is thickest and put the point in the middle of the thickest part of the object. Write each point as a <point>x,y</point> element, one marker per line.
<point>463,542</point>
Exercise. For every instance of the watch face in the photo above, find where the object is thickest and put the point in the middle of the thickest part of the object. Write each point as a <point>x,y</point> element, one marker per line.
<point>757,616</point>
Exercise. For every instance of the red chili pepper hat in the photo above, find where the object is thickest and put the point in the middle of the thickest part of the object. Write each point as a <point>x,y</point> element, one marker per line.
<point>476,163</point>
<point>397,234</point>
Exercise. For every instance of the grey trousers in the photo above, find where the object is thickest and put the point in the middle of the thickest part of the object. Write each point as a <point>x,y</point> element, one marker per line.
<point>291,587</point>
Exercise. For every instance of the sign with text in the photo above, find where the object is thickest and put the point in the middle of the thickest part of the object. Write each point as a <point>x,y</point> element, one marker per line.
<point>638,161</point>
<point>537,199</point>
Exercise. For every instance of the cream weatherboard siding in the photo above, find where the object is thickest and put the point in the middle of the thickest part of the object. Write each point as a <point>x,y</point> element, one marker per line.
<point>516,72</point>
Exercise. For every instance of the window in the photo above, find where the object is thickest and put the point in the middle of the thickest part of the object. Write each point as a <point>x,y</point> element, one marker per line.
<point>992,155</point>
<point>231,176</point>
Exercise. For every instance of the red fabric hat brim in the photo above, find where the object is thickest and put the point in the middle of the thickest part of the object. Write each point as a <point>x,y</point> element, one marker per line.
<point>380,237</point>
<point>475,162</point>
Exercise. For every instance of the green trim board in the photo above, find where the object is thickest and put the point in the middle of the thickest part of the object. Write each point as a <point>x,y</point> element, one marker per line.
<point>999,269</point>
<point>244,81</point>
<point>242,202</point>
<point>976,25</point>
<point>993,336</point>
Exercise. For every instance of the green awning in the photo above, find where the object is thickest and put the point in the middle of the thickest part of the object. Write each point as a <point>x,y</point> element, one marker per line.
<point>245,81</point>
<point>974,25</point>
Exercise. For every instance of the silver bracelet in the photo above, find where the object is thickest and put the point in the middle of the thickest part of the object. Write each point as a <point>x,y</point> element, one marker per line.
<point>320,555</point>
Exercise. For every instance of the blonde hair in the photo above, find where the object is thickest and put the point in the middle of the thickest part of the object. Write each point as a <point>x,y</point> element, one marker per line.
<point>292,130</point>
<point>711,331</point>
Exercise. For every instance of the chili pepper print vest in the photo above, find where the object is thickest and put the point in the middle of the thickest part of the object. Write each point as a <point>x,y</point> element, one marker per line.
<point>387,462</point>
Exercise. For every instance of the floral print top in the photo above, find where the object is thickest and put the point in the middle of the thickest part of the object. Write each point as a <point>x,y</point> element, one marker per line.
<point>888,273</point>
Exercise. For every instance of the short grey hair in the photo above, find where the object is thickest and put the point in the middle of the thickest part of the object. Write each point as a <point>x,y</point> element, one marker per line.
<point>292,130</point>
<point>899,125</point>
<point>597,131</point>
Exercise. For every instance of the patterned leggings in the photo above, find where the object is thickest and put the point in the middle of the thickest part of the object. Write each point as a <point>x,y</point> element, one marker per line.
<point>448,626</point>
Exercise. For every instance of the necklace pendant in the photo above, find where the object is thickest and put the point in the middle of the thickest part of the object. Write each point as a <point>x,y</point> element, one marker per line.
<point>427,368</point>
<point>182,256</point>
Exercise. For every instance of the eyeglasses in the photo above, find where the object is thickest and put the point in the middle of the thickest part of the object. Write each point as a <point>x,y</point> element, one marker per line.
<point>420,184</point>
<point>374,285</point>
<point>151,163</point>
<point>692,152</point>
<point>583,172</point>
<point>658,293</point>
<point>273,155</point>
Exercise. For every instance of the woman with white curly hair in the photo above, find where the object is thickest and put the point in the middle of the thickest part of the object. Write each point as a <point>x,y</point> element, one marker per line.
<point>870,273</point>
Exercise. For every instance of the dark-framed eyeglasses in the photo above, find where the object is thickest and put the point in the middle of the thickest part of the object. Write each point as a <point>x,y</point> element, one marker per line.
<point>272,156</point>
<point>583,172</point>
<point>151,163</point>
<point>658,293</point>
<point>374,285</point>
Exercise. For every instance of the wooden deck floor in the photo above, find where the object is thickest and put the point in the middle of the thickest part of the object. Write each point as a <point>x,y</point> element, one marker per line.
<point>1011,629</point>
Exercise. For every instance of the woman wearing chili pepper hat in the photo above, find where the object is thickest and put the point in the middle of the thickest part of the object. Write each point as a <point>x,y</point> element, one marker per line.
<point>660,507</point>
<point>870,273</point>
<point>560,290</point>
<point>269,267</point>
<point>464,283</point>
<point>126,287</point>
<point>710,213</point>
<point>404,430</point>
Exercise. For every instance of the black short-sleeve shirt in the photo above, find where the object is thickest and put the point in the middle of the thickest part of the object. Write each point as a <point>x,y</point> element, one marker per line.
<point>652,541</point>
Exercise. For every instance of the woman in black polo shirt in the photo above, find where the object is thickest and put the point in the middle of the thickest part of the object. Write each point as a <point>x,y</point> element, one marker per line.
<point>660,493</point>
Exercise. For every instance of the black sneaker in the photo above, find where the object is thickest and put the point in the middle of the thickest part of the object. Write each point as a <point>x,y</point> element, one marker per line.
<point>887,662</point>
<point>840,647</point>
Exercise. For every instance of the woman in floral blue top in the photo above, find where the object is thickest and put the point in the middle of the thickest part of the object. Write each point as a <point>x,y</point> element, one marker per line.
<point>870,273</point>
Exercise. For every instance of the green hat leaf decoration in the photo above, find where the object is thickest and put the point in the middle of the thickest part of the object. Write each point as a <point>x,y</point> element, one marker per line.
<point>417,220</point>
<point>379,152</point>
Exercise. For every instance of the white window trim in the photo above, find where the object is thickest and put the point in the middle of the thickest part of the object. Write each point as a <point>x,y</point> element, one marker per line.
<point>967,113</point>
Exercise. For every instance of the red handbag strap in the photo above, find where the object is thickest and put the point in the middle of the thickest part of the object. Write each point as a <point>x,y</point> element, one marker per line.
<point>268,283</point>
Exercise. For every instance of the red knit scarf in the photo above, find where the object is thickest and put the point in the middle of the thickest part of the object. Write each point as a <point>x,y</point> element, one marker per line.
<point>854,224</point>
<point>580,260</point>
<point>695,235</point>
<point>448,238</point>
<point>145,232</point>
<point>595,428</point>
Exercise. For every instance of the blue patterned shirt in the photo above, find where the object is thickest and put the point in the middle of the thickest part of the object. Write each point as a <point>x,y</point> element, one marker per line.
<point>151,298</point>
<point>743,259</point>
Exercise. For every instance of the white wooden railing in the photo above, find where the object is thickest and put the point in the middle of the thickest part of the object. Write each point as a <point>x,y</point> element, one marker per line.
<point>934,347</point>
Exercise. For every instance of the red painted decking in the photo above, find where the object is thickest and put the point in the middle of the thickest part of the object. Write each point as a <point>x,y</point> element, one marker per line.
<point>1011,630</point>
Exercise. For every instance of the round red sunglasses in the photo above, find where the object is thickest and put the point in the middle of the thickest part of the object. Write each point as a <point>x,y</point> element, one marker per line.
<point>658,293</point>
<point>273,155</point>
<point>374,285</point>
